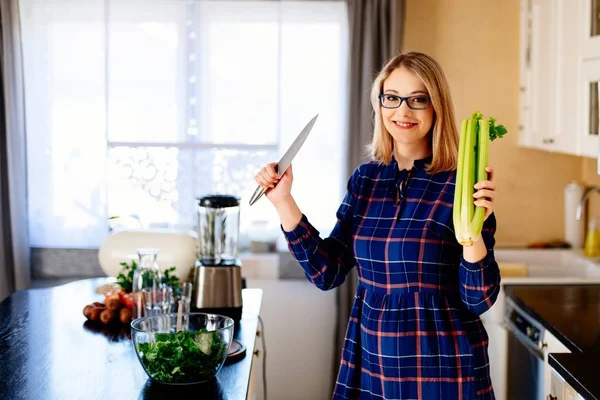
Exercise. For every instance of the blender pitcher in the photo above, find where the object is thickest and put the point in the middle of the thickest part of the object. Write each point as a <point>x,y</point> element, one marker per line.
<point>217,274</point>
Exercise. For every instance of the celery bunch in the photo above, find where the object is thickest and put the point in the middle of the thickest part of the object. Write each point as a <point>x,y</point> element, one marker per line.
<point>475,134</point>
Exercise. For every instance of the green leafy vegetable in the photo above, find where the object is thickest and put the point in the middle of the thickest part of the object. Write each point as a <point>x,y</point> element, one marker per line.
<point>496,132</point>
<point>183,357</point>
<point>170,279</point>
<point>475,133</point>
<point>125,277</point>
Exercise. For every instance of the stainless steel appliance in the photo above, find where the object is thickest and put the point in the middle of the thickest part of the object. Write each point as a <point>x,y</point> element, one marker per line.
<point>217,275</point>
<point>529,343</point>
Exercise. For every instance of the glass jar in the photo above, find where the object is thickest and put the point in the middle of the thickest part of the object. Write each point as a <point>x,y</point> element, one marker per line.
<point>147,280</point>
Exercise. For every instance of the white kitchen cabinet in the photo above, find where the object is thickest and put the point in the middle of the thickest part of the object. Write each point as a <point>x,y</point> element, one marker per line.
<point>560,389</point>
<point>590,29</point>
<point>538,69</point>
<point>560,59</point>
<point>568,98</point>
<point>588,113</point>
<point>557,386</point>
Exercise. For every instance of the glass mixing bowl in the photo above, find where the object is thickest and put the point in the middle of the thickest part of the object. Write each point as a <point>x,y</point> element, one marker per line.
<point>192,355</point>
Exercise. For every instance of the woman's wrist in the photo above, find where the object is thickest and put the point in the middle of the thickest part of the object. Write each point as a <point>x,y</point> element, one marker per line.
<point>475,252</point>
<point>289,213</point>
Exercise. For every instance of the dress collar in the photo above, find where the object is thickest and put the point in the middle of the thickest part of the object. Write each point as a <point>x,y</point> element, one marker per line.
<point>419,164</point>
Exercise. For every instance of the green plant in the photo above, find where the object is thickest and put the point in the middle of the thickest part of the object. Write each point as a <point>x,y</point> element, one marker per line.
<point>125,277</point>
<point>170,279</point>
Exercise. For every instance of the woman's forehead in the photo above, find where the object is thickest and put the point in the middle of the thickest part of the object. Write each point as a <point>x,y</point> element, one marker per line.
<point>404,82</point>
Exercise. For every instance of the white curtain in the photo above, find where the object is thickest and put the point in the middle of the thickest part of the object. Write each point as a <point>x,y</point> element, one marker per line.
<point>138,107</point>
<point>14,237</point>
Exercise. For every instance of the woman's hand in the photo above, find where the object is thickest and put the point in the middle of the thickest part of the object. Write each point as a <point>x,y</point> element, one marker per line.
<point>276,190</point>
<point>485,193</point>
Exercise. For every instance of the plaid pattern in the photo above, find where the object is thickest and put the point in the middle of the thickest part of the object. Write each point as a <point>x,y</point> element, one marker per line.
<point>414,330</point>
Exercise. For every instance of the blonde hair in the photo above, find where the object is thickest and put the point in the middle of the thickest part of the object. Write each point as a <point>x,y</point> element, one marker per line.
<point>444,135</point>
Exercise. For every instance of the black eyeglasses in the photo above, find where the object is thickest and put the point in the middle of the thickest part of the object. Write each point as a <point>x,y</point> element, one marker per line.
<point>418,102</point>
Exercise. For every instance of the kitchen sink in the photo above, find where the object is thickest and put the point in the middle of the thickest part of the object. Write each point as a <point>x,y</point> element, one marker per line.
<point>564,265</point>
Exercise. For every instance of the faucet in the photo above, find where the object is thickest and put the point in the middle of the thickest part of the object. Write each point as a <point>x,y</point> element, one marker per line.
<point>584,198</point>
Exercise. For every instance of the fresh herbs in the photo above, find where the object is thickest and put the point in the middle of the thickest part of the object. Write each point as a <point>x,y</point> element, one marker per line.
<point>170,279</point>
<point>183,357</point>
<point>125,277</point>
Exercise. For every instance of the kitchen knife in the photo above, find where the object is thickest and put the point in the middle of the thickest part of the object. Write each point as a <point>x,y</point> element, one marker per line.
<point>287,157</point>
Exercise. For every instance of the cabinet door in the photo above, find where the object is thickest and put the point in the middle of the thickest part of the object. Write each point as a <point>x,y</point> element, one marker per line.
<point>525,75</point>
<point>588,115</point>
<point>557,386</point>
<point>568,93</point>
<point>543,83</point>
<point>590,18</point>
<point>570,393</point>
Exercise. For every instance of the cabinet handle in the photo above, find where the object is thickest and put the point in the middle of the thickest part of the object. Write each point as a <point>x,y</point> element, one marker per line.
<point>548,141</point>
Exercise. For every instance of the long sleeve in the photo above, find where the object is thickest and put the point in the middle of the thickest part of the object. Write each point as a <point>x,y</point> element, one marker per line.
<point>326,262</point>
<point>480,281</point>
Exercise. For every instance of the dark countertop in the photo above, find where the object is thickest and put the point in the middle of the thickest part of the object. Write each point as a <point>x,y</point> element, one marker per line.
<point>580,371</point>
<point>49,351</point>
<point>572,314</point>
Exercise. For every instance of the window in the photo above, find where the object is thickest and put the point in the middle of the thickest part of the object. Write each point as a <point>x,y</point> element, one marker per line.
<point>138,107</point>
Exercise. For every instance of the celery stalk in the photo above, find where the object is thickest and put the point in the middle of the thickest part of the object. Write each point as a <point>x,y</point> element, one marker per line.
<point>456,210</point>
<point>472,161</point>
<point>476,224</point>
<point>468,179</point>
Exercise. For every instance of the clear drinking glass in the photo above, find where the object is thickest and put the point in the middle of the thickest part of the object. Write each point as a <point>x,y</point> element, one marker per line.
<point>158,301</point>
<point>186,297</point>
<point>147,277</point>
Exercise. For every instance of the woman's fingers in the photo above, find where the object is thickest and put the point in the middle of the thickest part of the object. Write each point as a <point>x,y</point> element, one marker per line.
<point>267,177</point>
<point>270,168</point>
<point>261,181</point>
<point>490,172</point>
<point>485,193</point>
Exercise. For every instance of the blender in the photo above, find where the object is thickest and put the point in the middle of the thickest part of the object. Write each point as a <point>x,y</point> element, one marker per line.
<point>217,285</point>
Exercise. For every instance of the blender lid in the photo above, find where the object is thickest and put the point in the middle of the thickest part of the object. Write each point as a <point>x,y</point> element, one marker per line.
<point>219,201</point>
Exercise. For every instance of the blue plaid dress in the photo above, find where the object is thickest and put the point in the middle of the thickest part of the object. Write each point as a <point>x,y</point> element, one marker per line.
<point>414,330</point>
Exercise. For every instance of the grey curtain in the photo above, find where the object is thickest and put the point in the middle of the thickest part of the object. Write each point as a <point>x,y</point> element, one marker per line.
<point>375,28</point>
<point>14,235</point>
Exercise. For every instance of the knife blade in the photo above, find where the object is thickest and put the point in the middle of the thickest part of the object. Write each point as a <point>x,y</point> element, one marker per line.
<point>287,157</point>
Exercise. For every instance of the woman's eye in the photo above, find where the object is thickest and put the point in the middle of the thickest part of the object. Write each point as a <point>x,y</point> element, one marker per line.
<point>391,97</point>
<point>419,100</point>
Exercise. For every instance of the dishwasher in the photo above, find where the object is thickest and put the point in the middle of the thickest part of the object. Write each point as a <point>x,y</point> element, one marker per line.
<point>529,343</point>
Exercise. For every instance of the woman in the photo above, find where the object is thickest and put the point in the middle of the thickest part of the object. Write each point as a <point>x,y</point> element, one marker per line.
<point>414,330</point>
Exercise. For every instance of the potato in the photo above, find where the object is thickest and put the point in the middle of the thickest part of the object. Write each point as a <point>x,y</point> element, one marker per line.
<point>113,304</point>
<point>95,313</point>
<point>125,315</point>
<point>107,316</point>
<point>87,310</point>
